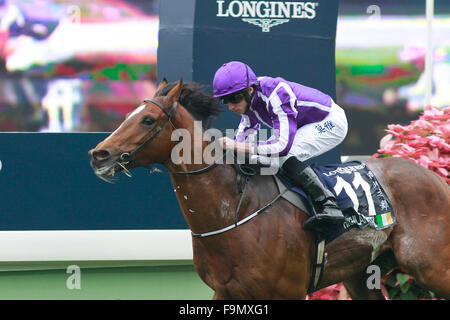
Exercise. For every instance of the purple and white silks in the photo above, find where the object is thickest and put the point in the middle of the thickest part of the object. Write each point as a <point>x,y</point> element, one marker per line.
<point>285,107</point>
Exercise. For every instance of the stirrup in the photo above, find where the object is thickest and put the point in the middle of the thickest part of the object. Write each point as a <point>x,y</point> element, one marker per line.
<point>323,218</point>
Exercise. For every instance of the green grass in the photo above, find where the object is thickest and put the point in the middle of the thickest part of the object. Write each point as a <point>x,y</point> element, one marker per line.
<point>153,282</point>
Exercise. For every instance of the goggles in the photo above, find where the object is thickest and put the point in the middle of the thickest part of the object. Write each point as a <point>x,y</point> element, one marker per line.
<point>233,98</point>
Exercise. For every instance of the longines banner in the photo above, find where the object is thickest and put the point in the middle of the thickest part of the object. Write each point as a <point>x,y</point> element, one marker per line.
<point>291,39</point>
<point>267,14</point>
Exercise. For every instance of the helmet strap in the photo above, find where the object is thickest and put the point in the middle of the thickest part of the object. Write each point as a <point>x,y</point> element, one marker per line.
<point>248,97</point>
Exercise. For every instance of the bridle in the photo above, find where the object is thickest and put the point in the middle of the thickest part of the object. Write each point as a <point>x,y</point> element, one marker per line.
<point>130,157</point>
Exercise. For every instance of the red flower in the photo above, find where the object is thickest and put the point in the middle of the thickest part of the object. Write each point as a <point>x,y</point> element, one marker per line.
<point>425,141</point>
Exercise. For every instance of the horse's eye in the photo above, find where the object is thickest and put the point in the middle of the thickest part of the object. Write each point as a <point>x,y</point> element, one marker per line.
<point>148,121</point>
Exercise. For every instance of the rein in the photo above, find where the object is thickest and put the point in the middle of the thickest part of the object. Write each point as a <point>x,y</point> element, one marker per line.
<point>242,221</point>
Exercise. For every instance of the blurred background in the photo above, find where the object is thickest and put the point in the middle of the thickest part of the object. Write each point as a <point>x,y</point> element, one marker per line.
<point>78,65</point>
<point>380,59</point>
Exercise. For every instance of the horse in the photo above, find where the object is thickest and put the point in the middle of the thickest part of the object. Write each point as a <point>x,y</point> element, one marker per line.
<point>271,256</point>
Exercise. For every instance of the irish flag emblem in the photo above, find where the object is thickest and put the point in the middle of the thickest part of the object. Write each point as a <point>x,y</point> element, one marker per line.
<point>384,219</point>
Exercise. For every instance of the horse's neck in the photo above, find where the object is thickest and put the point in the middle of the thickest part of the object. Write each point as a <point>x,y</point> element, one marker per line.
<point>204,198</point>
<point>208,200</point>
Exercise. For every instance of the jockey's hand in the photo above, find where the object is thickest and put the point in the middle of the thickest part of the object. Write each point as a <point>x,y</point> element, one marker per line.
<point>227,143</point>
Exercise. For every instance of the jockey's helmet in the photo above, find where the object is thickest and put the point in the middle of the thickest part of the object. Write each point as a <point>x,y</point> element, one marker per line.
<point>232,77</point>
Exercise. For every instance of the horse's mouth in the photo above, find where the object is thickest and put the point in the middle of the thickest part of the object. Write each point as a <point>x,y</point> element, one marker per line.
<point>107,171</point>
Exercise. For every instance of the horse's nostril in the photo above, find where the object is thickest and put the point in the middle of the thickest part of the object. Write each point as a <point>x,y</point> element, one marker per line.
<point>100,155</point>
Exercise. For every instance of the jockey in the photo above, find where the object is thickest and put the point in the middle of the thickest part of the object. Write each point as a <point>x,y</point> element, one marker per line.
<point>306,123</point>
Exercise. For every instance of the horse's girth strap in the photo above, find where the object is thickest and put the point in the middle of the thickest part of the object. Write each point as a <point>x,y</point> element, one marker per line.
<point>318,266</point>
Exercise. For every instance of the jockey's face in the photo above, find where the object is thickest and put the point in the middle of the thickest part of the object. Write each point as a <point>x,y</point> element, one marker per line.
<point>238,104</point>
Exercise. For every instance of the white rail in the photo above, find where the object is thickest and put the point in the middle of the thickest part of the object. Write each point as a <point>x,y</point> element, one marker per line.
<point>429,53</point>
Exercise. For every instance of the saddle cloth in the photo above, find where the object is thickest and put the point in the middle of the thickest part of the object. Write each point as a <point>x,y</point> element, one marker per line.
<point>359,195</point>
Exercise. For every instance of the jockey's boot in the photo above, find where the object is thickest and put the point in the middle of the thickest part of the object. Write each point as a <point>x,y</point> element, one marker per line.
<point>326,209</point>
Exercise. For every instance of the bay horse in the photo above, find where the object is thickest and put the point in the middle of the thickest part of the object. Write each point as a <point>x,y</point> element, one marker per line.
<point>271,256</point>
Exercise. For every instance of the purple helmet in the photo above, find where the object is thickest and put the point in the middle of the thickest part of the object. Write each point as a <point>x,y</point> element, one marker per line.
<point>232,77</point>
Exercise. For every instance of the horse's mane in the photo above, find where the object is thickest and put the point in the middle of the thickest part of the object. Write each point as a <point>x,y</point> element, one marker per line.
<point>201,105</point>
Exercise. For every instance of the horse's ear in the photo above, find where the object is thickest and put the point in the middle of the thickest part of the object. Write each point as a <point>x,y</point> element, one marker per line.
<point>174,94</point>
<point>161,85</point>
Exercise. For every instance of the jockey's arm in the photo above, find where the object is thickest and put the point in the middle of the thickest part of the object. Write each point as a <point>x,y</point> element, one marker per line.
<point>282,106</point>
<point>230,144</point>
<point>282,102</point>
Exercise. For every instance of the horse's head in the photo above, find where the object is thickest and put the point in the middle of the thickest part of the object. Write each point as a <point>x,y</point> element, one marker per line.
<point>142,138</point>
